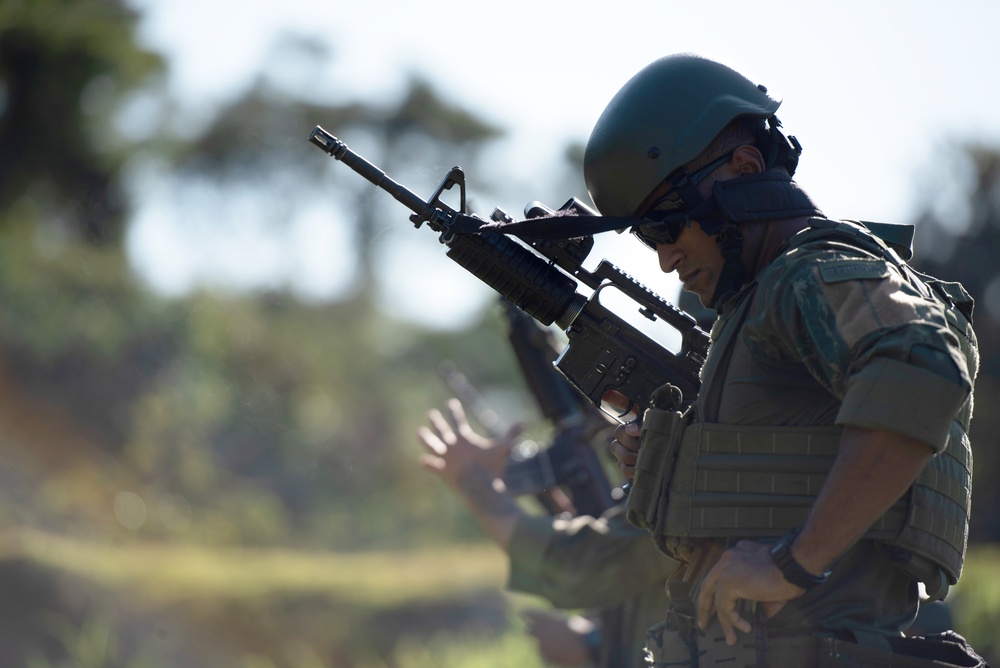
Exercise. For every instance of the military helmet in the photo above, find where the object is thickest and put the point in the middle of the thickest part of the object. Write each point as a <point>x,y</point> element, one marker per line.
<point>661,119</point>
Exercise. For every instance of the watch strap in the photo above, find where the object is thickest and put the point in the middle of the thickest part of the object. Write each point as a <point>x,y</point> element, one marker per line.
<point>781,555</point>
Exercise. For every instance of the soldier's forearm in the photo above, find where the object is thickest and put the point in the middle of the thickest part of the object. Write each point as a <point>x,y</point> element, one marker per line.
<point>494,507</point>
<point>873,469</point>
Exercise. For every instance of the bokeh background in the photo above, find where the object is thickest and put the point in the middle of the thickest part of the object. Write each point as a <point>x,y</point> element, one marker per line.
<point>216,343</point>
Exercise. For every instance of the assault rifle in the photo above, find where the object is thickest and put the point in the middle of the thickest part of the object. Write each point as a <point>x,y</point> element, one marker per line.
<point>614,364</point>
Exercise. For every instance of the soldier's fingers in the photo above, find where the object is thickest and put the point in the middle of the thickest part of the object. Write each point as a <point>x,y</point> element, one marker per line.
<point>623,453</point>
<point>724,610</point>
<point>620,431</point>
<point>627,440</point>
<point>431,441</point>
<point>740,623</point>
<point>457,414</point>
<point>462,426</point>
<point>441,425</point>
<point>729,616</point>
<point>432,463</point>
<point>706,599</point>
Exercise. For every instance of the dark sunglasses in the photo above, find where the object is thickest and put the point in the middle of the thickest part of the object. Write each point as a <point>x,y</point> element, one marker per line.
<point>660,224</point>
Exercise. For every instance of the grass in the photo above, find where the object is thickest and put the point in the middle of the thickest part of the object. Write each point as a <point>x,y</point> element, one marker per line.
<point>286,609</point>
<point>512,650</point>
<point>281,608</point>
<point>168,572</point>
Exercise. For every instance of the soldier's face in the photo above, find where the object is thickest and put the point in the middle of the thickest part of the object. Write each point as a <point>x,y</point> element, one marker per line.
<point>697,259</point>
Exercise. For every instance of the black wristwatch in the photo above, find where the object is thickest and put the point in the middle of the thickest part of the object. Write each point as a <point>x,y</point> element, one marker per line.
<point>781,554</point>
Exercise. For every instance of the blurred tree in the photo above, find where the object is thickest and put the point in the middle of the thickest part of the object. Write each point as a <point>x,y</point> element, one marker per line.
<point>264,418</point>
<point>259,141</point>
<point>65,67</point>
<point>958,239</point>
<point>256,147</point>
<point>424,113</point>
<point>423,128</point>
<point>213,418</point>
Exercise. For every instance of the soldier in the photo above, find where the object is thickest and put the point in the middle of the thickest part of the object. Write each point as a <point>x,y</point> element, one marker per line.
<point>823,471</point>
<point>573,562</point>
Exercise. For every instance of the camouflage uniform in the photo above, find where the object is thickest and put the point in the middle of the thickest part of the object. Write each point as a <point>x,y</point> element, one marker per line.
<point>835,336</point>
<point>603,563</point>
<point>827,335</point>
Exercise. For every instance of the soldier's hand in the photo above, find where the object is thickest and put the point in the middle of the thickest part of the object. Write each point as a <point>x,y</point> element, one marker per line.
<point>745,571</point>
<point>625,447</point>
<point>454,448</point>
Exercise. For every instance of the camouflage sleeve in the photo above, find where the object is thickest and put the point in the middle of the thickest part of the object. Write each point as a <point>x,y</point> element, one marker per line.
<point>871,339</point>
<point>585,561</point>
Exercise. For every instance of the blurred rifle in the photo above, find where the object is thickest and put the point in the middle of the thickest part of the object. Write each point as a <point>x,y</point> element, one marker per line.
<point>570,461</point>
<point>609,360</point>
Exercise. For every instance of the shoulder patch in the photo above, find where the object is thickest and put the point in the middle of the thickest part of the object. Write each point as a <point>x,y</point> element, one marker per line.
<point>835,271</point>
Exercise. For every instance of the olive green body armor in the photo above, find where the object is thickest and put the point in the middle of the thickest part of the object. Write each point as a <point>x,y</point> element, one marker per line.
<point>706,480</point>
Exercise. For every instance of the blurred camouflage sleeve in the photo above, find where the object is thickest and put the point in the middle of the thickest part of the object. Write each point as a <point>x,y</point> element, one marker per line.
<point>585,561</point>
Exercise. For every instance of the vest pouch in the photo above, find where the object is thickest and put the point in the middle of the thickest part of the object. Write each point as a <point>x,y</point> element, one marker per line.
<point>662,430</point>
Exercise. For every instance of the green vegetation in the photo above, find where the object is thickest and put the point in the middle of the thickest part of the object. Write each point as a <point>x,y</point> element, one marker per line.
<point>230,480</point>
<point>264,593</point>
<point>976,600</point>
<point>218,479</point>
<point>213,464</point>
<point>312,604</point>
<point>169,573</point>
<point>512,650</point>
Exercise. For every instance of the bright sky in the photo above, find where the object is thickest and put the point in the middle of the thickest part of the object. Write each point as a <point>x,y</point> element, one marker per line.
<point>870,88</point>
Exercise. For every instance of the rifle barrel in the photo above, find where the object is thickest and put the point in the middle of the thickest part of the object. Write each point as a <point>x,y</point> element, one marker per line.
<point>339,151</point>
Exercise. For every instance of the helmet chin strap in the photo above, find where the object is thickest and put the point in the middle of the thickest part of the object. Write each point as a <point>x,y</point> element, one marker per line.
<point>770,195</point>
<point>733,274</point>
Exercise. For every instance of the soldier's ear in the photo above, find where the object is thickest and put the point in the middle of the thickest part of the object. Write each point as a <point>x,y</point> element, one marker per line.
<point>747,159</point>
